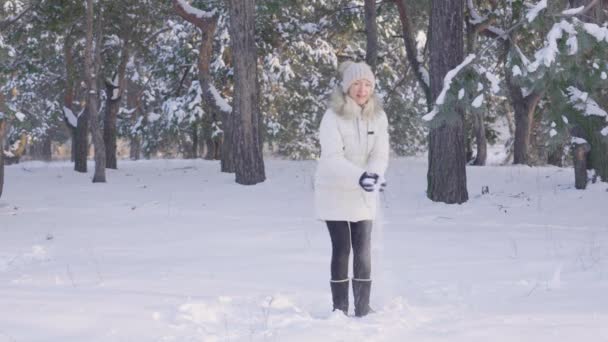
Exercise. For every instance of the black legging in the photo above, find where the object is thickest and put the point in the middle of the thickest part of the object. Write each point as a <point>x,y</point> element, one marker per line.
<point>359,234</point>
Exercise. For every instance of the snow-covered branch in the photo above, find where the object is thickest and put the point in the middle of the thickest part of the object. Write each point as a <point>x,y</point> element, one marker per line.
<point>535,10</point>
<point>219,100</point>
<point>4,24</point>
<point>582,102</point>
<point>193,15</point>
<point>447,83</point>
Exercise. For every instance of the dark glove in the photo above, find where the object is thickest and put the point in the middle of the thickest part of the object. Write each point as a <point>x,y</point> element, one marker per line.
<point>368,181</point>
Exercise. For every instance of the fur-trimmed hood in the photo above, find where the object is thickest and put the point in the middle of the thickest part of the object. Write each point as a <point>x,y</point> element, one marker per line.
<point>346,107</point>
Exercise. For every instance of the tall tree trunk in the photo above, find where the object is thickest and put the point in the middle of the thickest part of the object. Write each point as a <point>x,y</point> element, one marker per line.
<point>412,52</point>
<point>114,91</point>
<point>41,149</point>
<point>91,62</point>
<point>249,162</point>
<point>68,97</point>
<point>133,105</point>
<point>195,139</point>
<point>371,30</point>
<point>227,162</point>
<point>81,142</point>
<point>213,112</point>
<point>523,108</point>
<point>2,137</point>
<point>447,181</point>
<point>480,139</point>
<point>589,128</point>
<point>479,129</point>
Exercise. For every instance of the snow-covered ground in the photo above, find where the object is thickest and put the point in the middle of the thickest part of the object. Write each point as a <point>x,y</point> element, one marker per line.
<point>173,250</point>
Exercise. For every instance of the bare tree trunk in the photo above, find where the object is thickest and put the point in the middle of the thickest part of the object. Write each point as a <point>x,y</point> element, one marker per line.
<point>480,139</point>
<point>114,91</point>
<point>524,108</point>
<point>249,162</point>
<point>80,136</point>
<point>41,149</point>
<point>580,153</point>
<point>213,112</point>
<point>2,137</point>
<point>195,140</point>
<point>447,172</point>
<point>371,56</point>
<point>68,97</point>
<point>91,62</point>
<point>81,142</point>
<point>133,104</point>
<point>479,129</point>
<point>447,181</point>
<point>227,162</point>
<point>589,128</point>
<point>412,52</point>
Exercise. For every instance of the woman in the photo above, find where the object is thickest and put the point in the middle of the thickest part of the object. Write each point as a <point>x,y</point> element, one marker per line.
<point>354,156</point>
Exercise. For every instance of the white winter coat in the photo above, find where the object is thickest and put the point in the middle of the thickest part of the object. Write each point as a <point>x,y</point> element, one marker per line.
<point>353,140</point>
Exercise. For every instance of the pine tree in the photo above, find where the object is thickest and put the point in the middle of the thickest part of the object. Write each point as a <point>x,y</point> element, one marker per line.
<point>91,70</point>
<point>446,171</point>
<point>249,163</point>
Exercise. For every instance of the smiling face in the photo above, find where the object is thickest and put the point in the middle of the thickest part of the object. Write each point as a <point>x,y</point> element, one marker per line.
<point>360,91</point>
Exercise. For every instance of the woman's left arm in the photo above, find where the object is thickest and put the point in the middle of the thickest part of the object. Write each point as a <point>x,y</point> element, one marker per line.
<point>378,158</point>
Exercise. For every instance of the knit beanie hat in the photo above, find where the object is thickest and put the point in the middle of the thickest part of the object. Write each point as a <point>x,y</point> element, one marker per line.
<point>352,72</point>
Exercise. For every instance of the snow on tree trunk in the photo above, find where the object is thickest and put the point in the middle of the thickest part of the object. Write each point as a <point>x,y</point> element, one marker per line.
<point>248,159</point>
<point>446,171</point>
<point>91,62</point>
<point>80,135</point>
<point>371,55</point>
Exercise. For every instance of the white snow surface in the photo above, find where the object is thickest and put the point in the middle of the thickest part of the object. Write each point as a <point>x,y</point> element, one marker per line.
<point>174,250</point>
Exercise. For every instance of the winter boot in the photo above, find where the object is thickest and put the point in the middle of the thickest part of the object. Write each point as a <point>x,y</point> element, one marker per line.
<point>339,295</point>
<point>361,291</point>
